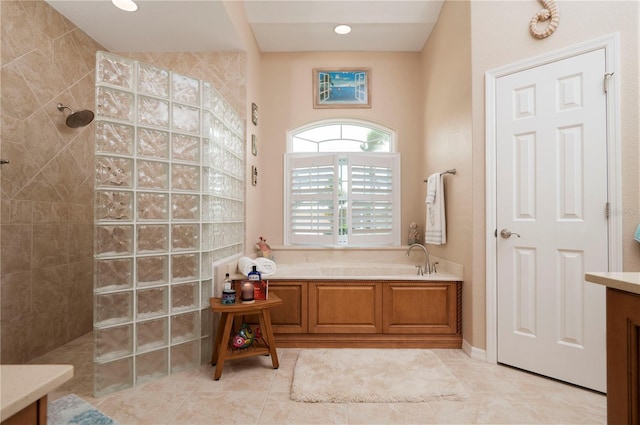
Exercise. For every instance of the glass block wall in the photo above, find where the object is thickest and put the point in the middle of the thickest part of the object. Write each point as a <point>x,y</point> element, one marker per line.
<point>169,203</point>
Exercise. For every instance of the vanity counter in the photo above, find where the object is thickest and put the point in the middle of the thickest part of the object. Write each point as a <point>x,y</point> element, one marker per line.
<point>623,344</point>
<point>623,281</point>
<point>24,385</point>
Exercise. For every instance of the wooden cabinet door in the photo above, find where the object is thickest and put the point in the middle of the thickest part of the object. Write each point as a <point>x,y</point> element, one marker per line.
<point>420,308</point>
<point>345,307</point>
<point>623,357</point>
<point>33,414</point>
<point>291,315</point>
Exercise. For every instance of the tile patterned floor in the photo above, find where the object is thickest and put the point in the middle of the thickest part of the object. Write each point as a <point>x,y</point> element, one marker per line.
<point>251,392</point>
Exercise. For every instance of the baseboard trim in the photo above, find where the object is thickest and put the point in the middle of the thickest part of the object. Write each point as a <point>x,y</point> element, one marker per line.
<point>474,352</point>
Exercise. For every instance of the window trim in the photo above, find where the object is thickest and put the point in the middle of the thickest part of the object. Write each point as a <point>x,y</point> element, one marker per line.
<point>395,237</point>
<point>342,121</point>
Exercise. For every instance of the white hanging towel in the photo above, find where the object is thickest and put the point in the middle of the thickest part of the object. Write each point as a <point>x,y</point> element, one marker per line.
<point>436,227</point>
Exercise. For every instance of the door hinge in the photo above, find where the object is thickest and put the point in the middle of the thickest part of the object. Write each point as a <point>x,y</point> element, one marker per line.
<point>606,211</point>
<point>607,77</point>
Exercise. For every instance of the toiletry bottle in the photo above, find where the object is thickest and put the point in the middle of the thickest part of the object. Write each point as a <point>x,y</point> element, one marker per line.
<point>228,293</point>
<point>254,274</point>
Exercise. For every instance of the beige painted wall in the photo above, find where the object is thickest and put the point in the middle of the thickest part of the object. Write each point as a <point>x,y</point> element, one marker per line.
<point>446,100</point>
<point>286,86</point>
<point>251,95</point>
<point>499,34</point>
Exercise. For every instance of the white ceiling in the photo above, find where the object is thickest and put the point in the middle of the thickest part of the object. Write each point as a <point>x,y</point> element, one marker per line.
<point>279,26</point>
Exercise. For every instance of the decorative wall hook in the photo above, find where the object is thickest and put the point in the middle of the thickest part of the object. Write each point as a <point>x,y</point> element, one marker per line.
<point>549,12</point>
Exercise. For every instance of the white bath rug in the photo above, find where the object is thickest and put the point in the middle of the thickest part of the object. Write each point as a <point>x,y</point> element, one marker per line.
<point>345,375</point>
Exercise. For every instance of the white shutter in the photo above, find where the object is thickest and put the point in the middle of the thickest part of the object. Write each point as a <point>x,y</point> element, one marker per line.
<point>311,217</point>
<point>374,199</point>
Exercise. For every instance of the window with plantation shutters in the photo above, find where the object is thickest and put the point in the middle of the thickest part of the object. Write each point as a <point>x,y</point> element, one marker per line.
<point>312,212</point>
<point>371,195</point>
<point>348,198</point>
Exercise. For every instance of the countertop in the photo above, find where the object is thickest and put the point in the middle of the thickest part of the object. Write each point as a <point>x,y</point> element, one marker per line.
<point>355,271</point>
<point>624,281</point>
<point>22,385</point>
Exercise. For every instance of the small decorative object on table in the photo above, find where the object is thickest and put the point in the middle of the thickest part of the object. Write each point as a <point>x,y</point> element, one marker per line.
<point>262,248</point>
<point>261,290</point>
<point>246,292</point>
<point>244,338</point>
<point>414,234</point>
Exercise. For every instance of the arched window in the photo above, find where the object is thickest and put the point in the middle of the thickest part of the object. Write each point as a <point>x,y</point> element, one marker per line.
<point>341,136</point>
<point>342,185</point>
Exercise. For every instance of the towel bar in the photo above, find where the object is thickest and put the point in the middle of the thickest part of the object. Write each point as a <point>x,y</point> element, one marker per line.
<point>451,171</point>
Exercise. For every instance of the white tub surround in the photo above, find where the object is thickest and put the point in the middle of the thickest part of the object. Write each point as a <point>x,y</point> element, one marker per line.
<point>388,263</point>
<point>24,385</point>
<point>356,271</point>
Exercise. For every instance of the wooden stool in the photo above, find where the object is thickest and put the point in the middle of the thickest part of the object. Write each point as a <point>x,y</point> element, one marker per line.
<point>263,346</point>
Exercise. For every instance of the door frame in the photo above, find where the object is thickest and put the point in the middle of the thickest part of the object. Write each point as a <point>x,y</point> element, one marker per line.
<point>612,65</point>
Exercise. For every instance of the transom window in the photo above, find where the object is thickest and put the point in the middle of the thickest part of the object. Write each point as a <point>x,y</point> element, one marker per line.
<point>344,136</point>
<point>342,185</point>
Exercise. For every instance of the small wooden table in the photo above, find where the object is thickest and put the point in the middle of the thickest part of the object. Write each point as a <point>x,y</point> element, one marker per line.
<point>263,346</point>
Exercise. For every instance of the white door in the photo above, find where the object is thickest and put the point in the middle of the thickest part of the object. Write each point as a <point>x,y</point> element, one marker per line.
<point>551,174</point>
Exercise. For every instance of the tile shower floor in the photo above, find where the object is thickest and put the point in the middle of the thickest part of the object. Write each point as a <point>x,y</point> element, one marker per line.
<point>251,392</point>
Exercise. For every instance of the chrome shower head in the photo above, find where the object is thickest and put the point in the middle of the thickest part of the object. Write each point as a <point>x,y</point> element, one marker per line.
<point>77,118</point>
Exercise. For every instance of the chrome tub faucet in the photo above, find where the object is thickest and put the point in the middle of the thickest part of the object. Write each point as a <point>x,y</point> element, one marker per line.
<point>427,265</point>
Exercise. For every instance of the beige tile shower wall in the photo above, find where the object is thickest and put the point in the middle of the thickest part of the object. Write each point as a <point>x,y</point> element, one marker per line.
<point>46,191</point>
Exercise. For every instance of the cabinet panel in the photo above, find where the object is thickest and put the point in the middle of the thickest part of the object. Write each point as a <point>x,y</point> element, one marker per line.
<point>345,307</point>
<point>420,308</point>
<point>623,357</point>
<point>291,316</point>
<point>33,414</point>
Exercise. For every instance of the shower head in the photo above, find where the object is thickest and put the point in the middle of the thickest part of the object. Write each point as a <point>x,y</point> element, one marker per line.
<point>77,118</point>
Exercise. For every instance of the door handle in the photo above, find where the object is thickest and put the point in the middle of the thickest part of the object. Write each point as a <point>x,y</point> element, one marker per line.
<point>505,233</point>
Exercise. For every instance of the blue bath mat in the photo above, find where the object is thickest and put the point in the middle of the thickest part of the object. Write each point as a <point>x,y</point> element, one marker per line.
<point>72,410</point>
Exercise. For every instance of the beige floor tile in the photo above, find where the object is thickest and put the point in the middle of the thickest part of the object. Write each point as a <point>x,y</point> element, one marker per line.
<point>279,409</point>
<point>478,409</point>
<point>250,391</point>
<point>390,413</point>
<point>235,407</point>
<point>136,407</point>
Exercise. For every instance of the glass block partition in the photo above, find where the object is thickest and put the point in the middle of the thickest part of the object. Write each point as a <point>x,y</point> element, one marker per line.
<point>169,203</point>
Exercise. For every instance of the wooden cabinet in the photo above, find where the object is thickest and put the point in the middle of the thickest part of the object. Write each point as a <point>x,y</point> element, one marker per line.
<point>33,414</point>
<point>623,357</point>
<point>411,308</point>
<point>340,307</point>
<point>358,313</point>
<point>291,316</point>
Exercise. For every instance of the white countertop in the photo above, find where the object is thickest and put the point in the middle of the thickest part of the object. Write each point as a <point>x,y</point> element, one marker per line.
<point>353,271</point>
<point>624,281</point>
<point>21,385</point>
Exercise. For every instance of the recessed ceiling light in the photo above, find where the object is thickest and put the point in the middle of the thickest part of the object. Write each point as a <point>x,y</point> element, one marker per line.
<point>342,29</point>
<point>128,5</point>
